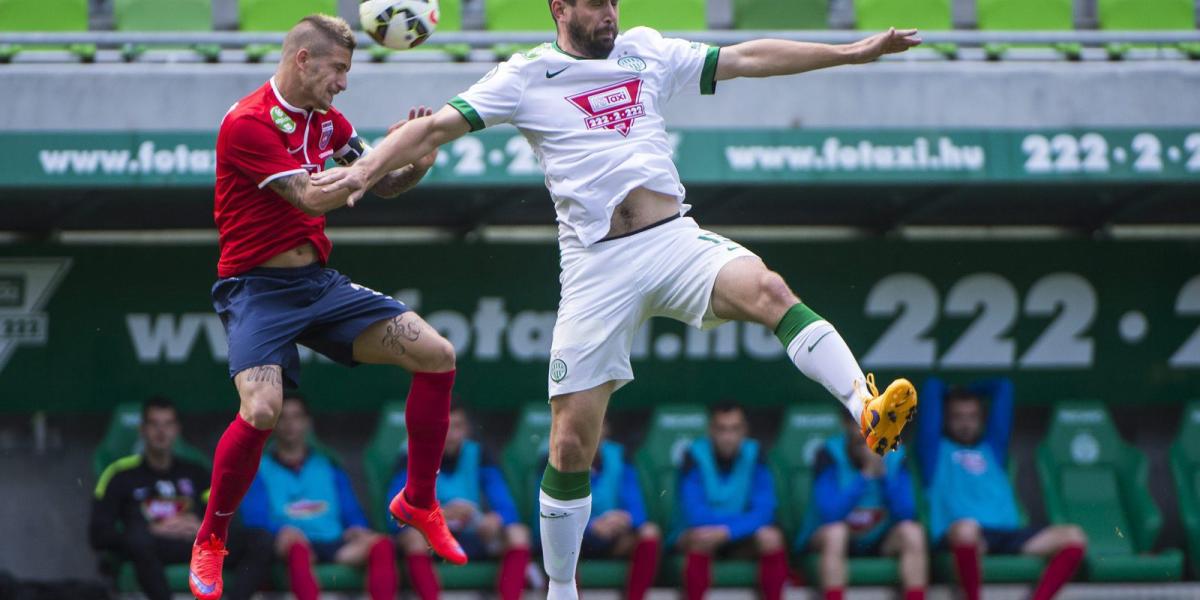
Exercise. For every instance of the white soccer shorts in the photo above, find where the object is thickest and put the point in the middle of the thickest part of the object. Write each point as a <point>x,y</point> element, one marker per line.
<point>612,287</point>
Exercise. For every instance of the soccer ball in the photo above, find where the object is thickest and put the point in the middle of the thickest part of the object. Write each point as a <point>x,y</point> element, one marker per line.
<point>399,24</point>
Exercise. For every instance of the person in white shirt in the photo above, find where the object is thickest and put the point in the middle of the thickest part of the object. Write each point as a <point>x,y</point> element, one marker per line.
<point>590,105</point>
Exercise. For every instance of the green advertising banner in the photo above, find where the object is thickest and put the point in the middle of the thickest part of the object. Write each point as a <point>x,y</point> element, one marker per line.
<point>502,157</point>
<point>85,327</point>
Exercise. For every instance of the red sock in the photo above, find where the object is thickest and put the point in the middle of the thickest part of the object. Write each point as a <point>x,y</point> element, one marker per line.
<point>834,594</point>
<point>427,417</point>
<point>511,581</point>
<point>300,573</point>
<point>697,575</point>
<point>772,574</point>
<point>966,561</point>
<point>643,566</point>
<point>424,579</point>
<point>914,594</point>
<point>1058,572</point>
<point>234,465</point>
<point>382,581</point>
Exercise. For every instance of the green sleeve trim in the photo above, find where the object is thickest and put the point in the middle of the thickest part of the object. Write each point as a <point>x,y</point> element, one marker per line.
<point>119,466</point>
<point>708,76</point>
<point>468,113</point>
<point>566,486</point>
<point>794,320</point>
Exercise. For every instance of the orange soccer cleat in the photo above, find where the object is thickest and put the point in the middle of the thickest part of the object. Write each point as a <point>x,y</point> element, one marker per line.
<point>431,524</point>
<point>204,573</point>
<point>885,415</point>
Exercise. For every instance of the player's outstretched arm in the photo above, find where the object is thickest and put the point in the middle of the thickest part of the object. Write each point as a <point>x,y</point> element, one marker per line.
<point>406,178</point>
<point>768,58</point>
<point>404,146</point>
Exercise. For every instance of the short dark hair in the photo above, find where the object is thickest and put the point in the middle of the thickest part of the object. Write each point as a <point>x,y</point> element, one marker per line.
<point>725,406</point>
<point>959,393</point>
<point>158,402</point>
<point>300,401</point>
<point>550,5</point>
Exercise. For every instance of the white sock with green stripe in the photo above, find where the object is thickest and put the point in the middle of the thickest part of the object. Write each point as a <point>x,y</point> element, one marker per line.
<point>817,349</point>
<point>566,505</point>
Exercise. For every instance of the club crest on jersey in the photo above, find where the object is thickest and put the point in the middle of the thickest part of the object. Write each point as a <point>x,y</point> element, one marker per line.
<point>613,107</point>
<point>282,120</point>
<point>326,134</point>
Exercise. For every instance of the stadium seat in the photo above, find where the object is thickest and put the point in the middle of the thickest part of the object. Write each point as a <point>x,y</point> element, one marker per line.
<point>777,14</point>
<point>664,15</point>
<point>1092,478</point>
<point>926,15</point>
<point>279,15</point>
<point>517,15</point>
<point>1185,470</point>
<point>1026,15</point>
<point>804,431</point>
<point>1141,15</point>
<point>39,15</point>
<point>380,458</point>
<point>162,15</point>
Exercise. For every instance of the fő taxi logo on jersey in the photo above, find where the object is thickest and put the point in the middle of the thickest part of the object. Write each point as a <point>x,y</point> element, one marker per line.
<point>613,107</point>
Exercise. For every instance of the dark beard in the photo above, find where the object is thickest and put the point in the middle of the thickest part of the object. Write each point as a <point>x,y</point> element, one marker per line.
<point>588,42</point>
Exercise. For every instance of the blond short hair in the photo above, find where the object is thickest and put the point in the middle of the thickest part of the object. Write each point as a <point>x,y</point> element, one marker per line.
<point>319,33</point>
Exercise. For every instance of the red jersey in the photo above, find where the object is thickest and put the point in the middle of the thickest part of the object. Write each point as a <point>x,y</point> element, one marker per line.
<point>261,139</point>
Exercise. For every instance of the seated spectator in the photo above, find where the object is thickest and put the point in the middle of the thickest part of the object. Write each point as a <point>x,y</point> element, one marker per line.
<point>148,507</point>
<point>972,507</point>
<point>727,506</point>
<point>862,505</point>
<point>479,511</point>
<point>618,527</point>
<point>304,498</point>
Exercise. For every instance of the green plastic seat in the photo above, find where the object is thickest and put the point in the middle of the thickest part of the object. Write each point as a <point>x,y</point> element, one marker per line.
<point>1026,15</point>
<point>279,15</point>
<point>1094,479</point>
<point>780,14</point>
<point>1147,15</point>
<point>664,15</point>
<point>330,577</point>
<point>41,15</point>
<point>925,15</point>
<point>122,439</point>
<point>518,15</point>
<point>380,458</point>
<point>162,15</point>
<point>1185,470</point>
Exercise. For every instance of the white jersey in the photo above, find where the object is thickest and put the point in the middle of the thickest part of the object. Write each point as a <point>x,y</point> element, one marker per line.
<point>595,125</point>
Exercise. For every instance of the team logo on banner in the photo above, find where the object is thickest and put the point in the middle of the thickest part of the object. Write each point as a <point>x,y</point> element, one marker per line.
<point>613,107</point>
<point>26,285</point>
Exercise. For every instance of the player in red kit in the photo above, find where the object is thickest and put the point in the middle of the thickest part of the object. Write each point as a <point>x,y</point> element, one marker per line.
<point>274,291</point>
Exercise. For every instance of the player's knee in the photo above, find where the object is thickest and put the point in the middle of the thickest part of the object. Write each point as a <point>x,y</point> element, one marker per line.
<point>649,531</point>
<point>517,535</point>
<point>411,542</point>
<point>964,532</point>
<point>569,451</point>
<point>436,356</point>
<point>261,406</point>
<point>774,291</point>
<point>768,539</point>
<point>912,537</point>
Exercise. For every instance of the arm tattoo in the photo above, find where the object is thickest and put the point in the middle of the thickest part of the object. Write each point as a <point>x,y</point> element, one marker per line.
<point>399,330</point>
<point>291,188</point>
<point>269,374</point>
<point>397,182</point>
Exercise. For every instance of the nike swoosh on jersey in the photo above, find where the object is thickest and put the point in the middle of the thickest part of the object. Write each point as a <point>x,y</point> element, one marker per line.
<point>552,75</point>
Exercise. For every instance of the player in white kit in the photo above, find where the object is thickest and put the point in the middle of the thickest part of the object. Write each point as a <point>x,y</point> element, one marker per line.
<point>590,105</point>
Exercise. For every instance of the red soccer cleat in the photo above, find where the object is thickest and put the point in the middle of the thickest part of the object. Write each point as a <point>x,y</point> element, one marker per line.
<point>432,525</point>
<point>204,574</point>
